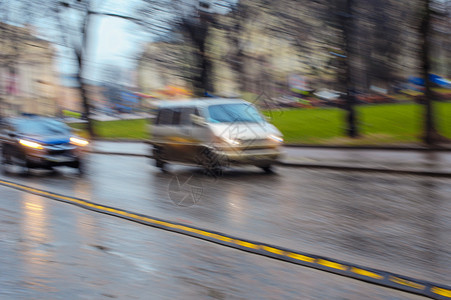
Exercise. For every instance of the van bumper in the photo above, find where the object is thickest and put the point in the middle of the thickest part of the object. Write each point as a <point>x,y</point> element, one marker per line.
<point>258,157</point>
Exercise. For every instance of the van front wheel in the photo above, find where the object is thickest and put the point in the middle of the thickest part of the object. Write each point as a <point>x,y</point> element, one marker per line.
<point>210,162</point>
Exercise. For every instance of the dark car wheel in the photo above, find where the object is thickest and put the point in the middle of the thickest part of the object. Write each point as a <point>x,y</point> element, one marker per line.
<point>81,168</point>
<point>23,164</point>
<point>4,162</point>
<point>162,165</point>
<point>4,165</point>
<point>25,172</point>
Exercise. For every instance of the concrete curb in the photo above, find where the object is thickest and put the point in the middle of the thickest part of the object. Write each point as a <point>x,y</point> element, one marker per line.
<point>383,148</point>
<point>323,166</point>
<point>120,153</point>
<point>125,140</point>
<point>367,169</point>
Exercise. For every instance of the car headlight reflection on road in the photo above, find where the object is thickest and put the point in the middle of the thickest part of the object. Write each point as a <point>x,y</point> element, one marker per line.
<point>275,138</point>
<point>31,144</point>
<point>78,141</point>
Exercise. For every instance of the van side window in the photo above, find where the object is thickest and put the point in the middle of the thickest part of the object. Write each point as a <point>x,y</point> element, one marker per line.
<point>164,117</point>
<point>186,113</point>
<point>176,116</point>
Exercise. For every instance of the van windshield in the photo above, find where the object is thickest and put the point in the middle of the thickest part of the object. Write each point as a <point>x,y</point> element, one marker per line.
<point>234,112</point>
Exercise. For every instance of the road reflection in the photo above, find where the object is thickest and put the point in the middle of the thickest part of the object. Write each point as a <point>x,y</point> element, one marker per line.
<point>35,227</point>
<point>36,237</point>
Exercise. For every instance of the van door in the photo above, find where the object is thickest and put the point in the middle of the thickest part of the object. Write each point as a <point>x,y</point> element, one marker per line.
<point>193,136</point>
<point>166,133</point>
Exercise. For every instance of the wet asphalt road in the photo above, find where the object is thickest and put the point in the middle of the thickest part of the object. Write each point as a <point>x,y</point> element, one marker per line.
<point>50,250</point>
<point>399,224</point>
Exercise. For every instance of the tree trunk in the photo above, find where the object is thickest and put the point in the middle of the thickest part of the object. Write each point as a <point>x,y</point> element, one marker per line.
<point>351,118</point>
<point>236,58</point>
<point>205,66</point>
<point>197,33</point>
<point>83,92</point>
<point>430,133</point>
<point>86,108</point>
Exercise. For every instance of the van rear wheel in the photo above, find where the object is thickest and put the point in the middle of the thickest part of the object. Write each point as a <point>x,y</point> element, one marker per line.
<point>267,169</point>
<point>161,165</point>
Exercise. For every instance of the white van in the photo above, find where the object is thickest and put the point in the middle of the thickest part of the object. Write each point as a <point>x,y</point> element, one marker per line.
<point>213,133</point>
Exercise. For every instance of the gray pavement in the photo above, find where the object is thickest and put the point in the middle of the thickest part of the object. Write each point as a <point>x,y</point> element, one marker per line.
<point>137,148</point>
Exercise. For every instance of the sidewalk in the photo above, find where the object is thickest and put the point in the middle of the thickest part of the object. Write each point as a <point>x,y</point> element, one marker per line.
<point>121,147</point>
<point>351,159</point>
<point>376,159</point>
<point>115,117</point>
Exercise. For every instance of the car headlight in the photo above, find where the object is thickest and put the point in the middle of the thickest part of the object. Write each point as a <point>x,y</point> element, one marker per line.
<point>275,138</point>
<point>31,144</point>
<point>78,141</point>
<point>231,141</point>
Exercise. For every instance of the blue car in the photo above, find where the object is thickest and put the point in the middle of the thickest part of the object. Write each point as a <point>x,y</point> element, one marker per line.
<point>40,142</point>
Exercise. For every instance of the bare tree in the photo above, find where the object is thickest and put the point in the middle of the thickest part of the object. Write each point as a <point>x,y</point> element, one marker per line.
<point>195,27</point>
<point>86,10</point>
<point>342,21</point>
<point>352,129</point>
<point>194,19</point>
<point>241,14</point>
<point>79,48</point>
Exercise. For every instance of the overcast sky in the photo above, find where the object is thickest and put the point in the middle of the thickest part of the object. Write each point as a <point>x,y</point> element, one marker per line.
<point>113,41</point>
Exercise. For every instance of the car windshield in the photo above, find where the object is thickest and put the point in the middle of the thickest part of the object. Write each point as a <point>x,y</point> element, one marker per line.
<point>45,127</point>
<point>234,112</point>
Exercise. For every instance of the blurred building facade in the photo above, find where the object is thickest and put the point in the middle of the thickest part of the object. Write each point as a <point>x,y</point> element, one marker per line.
<point>166,64</point>
<point>69,98</point>
<point>28,79</point>
<point>267,60</point>
<point>262,44</point>
<point>162,64</point>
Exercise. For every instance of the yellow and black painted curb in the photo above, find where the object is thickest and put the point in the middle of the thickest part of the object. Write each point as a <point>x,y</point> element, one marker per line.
<point>375,276</point>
